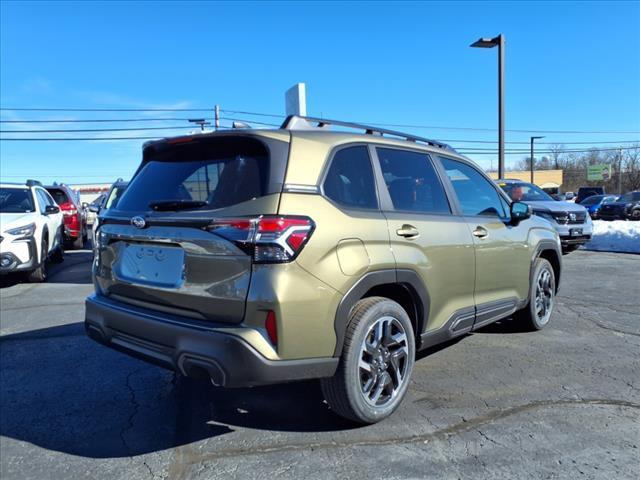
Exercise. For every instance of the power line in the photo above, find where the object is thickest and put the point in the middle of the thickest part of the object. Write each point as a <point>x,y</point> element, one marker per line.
<point>99,120</point>
<point>542,143</point>
<point>244,112</point>
<point>193,127</point>
<point>62,139</point>
<point>99,129</point>
<point>107,109</point>
<point>434,127</point>
<point>275,115</point>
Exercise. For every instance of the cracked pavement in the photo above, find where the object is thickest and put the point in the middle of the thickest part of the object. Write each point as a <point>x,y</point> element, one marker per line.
<point>560,403</point>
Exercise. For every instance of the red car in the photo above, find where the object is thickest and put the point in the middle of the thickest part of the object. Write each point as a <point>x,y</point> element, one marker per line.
<point>75,219</point>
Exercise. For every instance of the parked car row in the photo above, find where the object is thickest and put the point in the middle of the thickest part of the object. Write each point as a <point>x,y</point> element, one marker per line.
<point>570,220</point>
<point>626,207</point>
<point>601,205</point>
<point>33,229</point>
<point>38,222</point>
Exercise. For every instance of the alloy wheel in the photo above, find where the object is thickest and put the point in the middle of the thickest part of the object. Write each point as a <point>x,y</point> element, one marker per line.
<point>544,296</point>
<point>383,361</point>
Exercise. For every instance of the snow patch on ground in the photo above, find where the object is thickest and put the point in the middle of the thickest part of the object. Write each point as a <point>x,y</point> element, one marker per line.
<point>616,236</point>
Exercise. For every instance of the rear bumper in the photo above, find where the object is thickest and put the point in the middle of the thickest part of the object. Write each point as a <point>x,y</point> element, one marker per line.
<point>193,350</point>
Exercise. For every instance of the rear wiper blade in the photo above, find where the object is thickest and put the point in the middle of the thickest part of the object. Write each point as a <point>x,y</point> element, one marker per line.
<point>174,205</point>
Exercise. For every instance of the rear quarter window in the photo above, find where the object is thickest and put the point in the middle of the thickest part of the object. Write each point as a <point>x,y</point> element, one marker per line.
<point>350,181</point>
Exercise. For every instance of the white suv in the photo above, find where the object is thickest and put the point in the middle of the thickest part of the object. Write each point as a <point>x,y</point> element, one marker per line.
<point>31,228</point>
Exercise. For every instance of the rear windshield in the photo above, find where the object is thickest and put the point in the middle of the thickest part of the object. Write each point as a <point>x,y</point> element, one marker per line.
<point>216,172</point>
<point>526,192</point>
<point>587,192</point>
<point>59,196</point>
<point>16,200</point>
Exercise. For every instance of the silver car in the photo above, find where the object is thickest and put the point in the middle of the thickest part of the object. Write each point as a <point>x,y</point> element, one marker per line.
<point>571,220</point>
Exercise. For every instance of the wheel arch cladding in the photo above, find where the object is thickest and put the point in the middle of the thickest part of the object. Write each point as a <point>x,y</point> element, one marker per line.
<point>552,257</point>
<point>402,286</point>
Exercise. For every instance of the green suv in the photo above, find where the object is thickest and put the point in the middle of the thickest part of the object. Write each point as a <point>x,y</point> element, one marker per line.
<point>252,257</point>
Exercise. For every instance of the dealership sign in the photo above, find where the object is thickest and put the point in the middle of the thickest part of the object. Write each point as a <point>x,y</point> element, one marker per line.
<point>599,172</point>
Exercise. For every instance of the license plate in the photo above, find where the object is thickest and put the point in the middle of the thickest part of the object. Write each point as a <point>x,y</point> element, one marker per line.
<point>151,265</point>
<point>575,232</point>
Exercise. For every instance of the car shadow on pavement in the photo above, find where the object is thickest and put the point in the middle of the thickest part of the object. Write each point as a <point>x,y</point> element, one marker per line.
<point>63,392</point>
<point>76,267</point>
<point>506,325</point>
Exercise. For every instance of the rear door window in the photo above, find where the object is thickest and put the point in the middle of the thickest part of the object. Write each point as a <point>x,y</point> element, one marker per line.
<point>209,173</point>
<point>350,180</point>
<point>412,181</point>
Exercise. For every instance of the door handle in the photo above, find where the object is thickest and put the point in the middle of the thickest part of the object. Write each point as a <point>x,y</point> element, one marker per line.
<point>480,232</point>
<point>407,231</point>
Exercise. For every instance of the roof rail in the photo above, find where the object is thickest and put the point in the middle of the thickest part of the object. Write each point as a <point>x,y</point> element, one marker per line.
<point>296,122</point>
<point>31,183</point>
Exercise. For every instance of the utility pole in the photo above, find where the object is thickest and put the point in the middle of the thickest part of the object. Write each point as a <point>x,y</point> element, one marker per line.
<point>217,119</point>
<point>620,171</point>
<point>532,161</point>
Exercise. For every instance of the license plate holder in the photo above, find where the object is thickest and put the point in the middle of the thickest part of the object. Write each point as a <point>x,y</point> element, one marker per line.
<point>154,265</point>
<point>575,232</point>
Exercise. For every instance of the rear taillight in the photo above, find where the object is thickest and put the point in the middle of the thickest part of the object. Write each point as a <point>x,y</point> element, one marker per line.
<point>68,209</point>
<point>268,239</point>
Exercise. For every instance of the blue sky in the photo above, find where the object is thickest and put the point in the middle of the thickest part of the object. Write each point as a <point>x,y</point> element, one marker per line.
<point>569,66</point>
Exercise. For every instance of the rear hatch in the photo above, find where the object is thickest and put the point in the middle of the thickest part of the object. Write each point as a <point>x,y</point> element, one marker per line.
<point>156,248</point>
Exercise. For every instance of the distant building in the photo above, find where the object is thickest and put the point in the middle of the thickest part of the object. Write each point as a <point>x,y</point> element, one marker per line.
<point>549,180</point>
<point>90,191</point>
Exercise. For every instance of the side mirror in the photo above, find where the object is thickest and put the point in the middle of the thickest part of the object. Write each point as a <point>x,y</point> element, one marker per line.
<point>51,209</point>
<point>519,212</point>
<point>94,208</point>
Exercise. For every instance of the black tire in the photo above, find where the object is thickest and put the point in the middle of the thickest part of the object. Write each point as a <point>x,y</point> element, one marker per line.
<point>635,215</point>
<point>530,317</point>
<point>57,256</point>
<point>39,275</point>
<point>569,249</point>
<point>344,392</point>
<point>85,235</point>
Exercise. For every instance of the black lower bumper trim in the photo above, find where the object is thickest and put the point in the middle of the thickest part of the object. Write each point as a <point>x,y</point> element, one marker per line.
<point>16,265</point>
<point>227,359</point>
<point>566,241</point>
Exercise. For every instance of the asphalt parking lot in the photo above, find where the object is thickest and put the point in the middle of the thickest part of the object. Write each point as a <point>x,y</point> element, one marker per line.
<point>561,403</point>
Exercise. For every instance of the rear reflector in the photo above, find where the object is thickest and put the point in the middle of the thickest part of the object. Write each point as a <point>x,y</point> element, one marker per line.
<point>272,327</point>
<point>269,239</point>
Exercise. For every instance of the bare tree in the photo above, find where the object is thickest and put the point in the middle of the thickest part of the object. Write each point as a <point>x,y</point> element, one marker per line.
<point>631,169</point>
<point>557,155</point>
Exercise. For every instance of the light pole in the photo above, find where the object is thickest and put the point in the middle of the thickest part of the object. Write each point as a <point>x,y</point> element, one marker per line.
<point>490,43</point>
<point>532,161</point>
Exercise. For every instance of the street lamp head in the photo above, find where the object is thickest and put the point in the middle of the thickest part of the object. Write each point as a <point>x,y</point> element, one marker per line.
<point>485,43</point>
